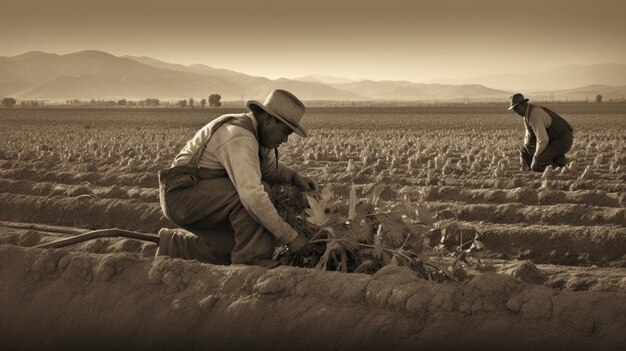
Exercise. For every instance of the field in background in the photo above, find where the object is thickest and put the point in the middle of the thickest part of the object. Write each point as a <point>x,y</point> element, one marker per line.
<point>87,168</point>
<point>371,107</point>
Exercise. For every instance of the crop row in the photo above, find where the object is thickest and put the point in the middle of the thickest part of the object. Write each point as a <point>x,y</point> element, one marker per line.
<point>544,242</point>
<point>526,196</point>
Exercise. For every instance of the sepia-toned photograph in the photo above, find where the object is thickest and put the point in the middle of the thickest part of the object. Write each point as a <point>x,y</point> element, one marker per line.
<point>313,175</point>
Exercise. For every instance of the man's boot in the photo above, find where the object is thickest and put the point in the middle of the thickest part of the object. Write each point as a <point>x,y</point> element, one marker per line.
<point>560,161</point>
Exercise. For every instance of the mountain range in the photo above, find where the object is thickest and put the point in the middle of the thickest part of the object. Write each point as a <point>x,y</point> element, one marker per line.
<point>558,79</point>
<point>100,75</point>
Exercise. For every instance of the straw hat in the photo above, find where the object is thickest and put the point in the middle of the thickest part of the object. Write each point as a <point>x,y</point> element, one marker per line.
<point>283,105</point>
<point>516,100</point>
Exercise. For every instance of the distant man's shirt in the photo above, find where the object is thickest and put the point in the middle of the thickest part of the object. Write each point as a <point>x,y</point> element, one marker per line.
<point>539,120</point>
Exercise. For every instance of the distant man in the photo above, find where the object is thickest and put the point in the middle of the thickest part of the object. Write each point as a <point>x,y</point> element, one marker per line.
<point>548,136</point>
<point>218,189</point>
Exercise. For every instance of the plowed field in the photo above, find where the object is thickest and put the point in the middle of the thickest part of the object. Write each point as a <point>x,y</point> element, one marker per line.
<point>562,234</point>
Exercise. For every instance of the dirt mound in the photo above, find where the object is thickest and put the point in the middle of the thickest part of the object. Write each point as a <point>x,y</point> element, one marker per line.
<point>522,195</point>
<point>526,271</point>
<point>572,245</point>
<point>61,299</point>
<point>83,212</point>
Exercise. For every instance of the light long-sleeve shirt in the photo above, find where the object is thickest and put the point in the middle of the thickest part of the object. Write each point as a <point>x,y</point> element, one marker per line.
<point>539,120</point>
<point>234,151</point>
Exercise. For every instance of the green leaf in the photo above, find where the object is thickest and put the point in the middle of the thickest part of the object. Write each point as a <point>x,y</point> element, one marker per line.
<point>445,215</point>
<point>316,213</point>
<point>331,248</point>
<point>432,237</point>
<point>352,203</point>
<point>378,249</point>
<point>364,229</point>
<point>421,194</point>
<point>478,245</point>
<point>336,255</point>
<point>424,215</point>
<point>375,194</point>
<point>325,196</point>
<point>393,232</point>
<point>408,206</point>
<point>330,231</point>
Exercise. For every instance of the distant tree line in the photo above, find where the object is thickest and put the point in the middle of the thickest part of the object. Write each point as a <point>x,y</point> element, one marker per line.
<point>121,102</point>
<point>8,102</point>
<point>214,101</point>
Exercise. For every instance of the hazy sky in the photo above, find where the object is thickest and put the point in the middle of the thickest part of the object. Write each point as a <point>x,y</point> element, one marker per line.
<point>386,39</point>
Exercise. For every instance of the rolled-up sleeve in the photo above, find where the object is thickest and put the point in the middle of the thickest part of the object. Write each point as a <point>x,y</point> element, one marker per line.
<point>239,156</point>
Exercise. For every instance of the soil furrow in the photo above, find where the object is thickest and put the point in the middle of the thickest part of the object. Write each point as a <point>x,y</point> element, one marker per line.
<point>26,187</point>
<point>83,212</point>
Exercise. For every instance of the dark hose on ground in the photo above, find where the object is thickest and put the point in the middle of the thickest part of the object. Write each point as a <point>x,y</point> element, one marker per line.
<point>101,233</point>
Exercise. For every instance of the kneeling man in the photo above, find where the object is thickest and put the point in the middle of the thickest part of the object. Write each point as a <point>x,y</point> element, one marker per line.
<point>548,136</point>
<point>218,189</point>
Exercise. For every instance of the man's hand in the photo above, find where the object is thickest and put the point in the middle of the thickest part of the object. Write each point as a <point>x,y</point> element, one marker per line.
<point>304,183</point>
<point>301,246</point>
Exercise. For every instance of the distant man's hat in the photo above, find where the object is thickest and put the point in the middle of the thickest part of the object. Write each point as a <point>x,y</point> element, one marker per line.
<point>516,100</point>
<point>285,106</point>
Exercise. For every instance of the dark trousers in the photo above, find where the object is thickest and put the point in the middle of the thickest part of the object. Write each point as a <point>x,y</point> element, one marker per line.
<point>217,228</point>
<point>553,155</point>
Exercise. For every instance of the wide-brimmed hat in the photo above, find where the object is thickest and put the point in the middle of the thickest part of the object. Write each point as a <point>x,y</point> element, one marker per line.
<point>517,99</point>
<point>285,106</point>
